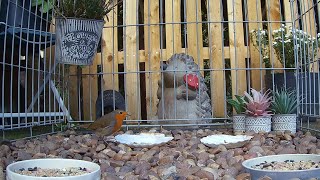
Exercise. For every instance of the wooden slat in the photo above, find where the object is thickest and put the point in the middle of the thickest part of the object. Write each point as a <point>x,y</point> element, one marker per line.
<point>237,53</point>
<point>254,14</point>
<point>274,14</point>
<point>216,59</point>
<point>309,26</point>
<point>206,54</point>
<point>131,79</point>
<point>173,31</point>
<point>308,18</point>
<point>194,31</point>
<point>287,13</point>
<point>90,89</point>
<point>152,60</point>
<point>110,49</point>
<point>73,90</point>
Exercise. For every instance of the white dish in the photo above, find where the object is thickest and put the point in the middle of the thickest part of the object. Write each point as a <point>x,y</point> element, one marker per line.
<point>228,140</point>
<point>143,139</point>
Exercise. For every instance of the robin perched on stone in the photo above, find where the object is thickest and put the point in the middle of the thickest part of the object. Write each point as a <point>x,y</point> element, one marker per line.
<point>108,124</point>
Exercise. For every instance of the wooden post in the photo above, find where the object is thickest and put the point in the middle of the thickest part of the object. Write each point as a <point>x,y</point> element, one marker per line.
<point>309,27</point>
<point>194,29</point>
<point>131,65</point>
<point>73,91</point>
<point>273,14</point>
<point>254,14</point>
<point>173,31</point>
<point>237,50</point>
<point>110,52</point>
<point>287,13</point>
<point>90,89</point>
<point>216,46</point>
<point>152,54</point>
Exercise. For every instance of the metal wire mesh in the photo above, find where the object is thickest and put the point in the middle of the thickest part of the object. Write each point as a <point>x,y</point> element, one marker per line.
<point>130,69</point>
<point>31,84</point>
<point>306,20</point>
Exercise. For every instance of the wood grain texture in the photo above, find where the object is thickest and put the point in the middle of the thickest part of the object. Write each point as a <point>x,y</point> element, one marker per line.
<point>109,47</point>
<point>237,52</point>
<point>131,60</point>
<point>152,55</point>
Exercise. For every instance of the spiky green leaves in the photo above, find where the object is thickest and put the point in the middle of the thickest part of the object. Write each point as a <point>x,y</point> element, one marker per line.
<point>238,104</point>
<point>285,101</point>
<point>258,103</point>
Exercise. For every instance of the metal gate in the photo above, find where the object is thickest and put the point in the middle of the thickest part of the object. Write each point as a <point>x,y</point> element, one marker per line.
<point>141,44</point>
<point>306,20</point>
<point>31,84</point>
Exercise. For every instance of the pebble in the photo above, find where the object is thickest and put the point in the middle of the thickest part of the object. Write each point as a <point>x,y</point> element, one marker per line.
<point>183,158</point>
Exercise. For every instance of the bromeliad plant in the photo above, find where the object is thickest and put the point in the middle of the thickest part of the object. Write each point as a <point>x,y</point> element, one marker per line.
<point>238,104</point>
<point>258,103</point>
<point>285,101</point>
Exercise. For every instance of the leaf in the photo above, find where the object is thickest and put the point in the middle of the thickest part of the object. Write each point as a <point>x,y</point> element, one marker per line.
<point>285,101</point>
<point>47,6</point>
<point>36,2</point>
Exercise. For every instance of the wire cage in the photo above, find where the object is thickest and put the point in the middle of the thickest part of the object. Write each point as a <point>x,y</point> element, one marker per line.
<point>228,47</point>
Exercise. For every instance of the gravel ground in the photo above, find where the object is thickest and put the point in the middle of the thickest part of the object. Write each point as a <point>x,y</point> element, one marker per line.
<point>185,157</point>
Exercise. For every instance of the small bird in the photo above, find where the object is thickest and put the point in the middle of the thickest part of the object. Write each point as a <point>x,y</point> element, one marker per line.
<point>108,124</point>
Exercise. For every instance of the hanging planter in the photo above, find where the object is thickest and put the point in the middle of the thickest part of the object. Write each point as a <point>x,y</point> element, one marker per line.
<point>77,40</point>
<point>79,26</point>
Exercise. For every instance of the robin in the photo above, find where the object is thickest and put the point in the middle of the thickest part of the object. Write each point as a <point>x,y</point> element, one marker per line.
<point>108,124</point>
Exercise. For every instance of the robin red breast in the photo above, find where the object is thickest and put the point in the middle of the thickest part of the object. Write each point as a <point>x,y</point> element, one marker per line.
<point>108,124</point>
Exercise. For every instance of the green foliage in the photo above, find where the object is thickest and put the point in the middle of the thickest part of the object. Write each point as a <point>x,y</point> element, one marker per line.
<point>260,40</point>
<point>86,9</point>
<point>238,104</point>
<point>284,42</point>
<point>285,101</point>
<point>44,5</point>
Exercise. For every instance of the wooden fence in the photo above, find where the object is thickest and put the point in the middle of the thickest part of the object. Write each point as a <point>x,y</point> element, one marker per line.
<point>124,42</point>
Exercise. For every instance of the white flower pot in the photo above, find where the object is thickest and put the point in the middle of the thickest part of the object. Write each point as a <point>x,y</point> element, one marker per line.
<point>283,122</point>
<point>258,124</point>
<point>58,163</point>
<point>239,123</point>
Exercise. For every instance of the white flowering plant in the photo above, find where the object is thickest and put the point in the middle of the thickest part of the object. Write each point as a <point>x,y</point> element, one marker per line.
<point>284,41</point>
<point>260,40</point>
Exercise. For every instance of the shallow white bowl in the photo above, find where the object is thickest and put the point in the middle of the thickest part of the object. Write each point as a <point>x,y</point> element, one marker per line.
<point>228,141</point>
<point>143,139</point>
<point>51,163</point>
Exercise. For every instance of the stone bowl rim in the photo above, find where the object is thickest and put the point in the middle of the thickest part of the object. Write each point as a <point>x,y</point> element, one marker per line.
<point>244,163</point>
<point>97,169</point>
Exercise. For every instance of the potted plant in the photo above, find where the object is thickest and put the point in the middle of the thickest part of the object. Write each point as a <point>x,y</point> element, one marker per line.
<point>284,107</point>
<point>258,116</point>
<point>239,125</point>
<point>79,27</point>
<point>290,44</point>
<point>286,42</point>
